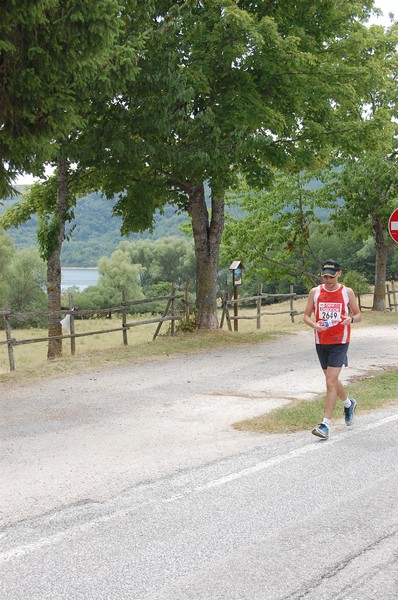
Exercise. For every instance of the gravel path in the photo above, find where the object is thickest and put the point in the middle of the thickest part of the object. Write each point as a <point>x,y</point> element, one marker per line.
<point>93,435</point>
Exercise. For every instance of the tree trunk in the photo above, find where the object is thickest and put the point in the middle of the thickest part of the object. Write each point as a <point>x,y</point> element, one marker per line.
<point>379,294</point>
<point>54,262</point>
<point>207,239</point>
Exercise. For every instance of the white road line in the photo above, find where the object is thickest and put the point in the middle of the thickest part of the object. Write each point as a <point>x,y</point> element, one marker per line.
<point>277,460</point>
<point>261,466</point>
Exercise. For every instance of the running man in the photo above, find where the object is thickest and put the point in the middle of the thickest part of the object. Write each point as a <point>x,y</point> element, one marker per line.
<point>335,309</point>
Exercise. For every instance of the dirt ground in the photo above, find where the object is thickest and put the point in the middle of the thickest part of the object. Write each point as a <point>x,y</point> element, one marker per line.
<point>93,435</point>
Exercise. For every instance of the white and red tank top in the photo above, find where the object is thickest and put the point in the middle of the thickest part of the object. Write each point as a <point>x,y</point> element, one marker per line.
<point>332,307</point>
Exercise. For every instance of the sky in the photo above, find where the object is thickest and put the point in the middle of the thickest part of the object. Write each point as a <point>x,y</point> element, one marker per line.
<point>387,6</point>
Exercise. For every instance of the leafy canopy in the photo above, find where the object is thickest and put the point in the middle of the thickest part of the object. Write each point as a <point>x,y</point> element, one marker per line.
<point>226,87</point>
<point>49,51</point>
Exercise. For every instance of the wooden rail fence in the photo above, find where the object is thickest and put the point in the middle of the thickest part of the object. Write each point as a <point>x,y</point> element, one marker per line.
<point>391,294</point>
<point>169,314</point>
<point>226,302</point>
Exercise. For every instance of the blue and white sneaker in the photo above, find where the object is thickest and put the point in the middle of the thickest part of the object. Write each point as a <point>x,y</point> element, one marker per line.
<point>349,412</point>
<point>321,431</point>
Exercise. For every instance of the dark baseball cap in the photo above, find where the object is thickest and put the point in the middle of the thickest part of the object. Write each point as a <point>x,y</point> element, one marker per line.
<point>330,267</point>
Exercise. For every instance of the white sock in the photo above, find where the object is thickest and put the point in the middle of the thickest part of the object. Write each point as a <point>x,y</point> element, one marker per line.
<point>347,402</point>
<point>326,421</point>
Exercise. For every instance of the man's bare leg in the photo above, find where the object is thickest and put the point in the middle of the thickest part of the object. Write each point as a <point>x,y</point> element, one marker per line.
<point>334,388</point>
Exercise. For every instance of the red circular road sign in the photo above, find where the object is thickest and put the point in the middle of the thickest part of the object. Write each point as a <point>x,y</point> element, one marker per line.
<point>393,225</point>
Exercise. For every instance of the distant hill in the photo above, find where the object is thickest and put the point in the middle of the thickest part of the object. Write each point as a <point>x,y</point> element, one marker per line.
<point>97,231</point>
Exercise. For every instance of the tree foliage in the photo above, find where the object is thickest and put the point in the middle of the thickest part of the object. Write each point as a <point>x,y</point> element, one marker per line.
<point>224,88</point>
<point>273,238</point>
<point>168,259</point>
<point>116,274</point>
<point>368,182</point>
<point>98,57</point>
<point>6,253</point>
<point>26,278</point>
<point>48,52</point>
<point>360,188</point>
<point>22,281</point>
<point>369,189</point>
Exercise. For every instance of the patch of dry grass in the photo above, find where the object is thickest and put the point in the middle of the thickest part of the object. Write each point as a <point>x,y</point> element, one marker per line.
<point>374,391</point>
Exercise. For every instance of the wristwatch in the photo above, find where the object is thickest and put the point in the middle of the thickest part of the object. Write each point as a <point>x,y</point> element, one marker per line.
<point>352,319</point>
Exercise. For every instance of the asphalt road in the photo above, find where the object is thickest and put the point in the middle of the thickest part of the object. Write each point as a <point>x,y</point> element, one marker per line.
<point>131,483</point>
<point>295,519</point>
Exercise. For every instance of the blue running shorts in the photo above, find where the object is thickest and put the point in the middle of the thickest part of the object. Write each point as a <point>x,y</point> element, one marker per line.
<point>332,355</point>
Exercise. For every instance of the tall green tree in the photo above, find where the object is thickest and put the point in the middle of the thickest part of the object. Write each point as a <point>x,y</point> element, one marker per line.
<point>227,87</point>
<point>116,274</point>
<point>104,57</point>
<point>169,259</point>
<point>368,183</point>
<point>361,183</point>
<point>369,189</point>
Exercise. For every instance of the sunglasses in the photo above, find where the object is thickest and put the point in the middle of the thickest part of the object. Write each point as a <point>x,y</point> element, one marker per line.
<point>329,276</point>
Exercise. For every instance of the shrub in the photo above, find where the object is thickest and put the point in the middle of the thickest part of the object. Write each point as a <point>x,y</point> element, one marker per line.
<point>357,282</point>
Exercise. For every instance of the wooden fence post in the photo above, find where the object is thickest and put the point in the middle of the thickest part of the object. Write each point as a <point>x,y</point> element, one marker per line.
<point>227,316</point>
<point>124,317</point>
<point>72,327</point>
<point>173,306</point>
<point>258,303</point>
<point>187,307</point>
<point>225,311</point>
<point>291,291</point>
<point>236,308</point>
<point>392,303</point>
<point>164,314</point>
<point>223,305</point>
<point>10,342</point>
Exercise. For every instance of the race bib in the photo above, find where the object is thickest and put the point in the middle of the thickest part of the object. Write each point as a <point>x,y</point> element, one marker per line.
<point>330,310</point>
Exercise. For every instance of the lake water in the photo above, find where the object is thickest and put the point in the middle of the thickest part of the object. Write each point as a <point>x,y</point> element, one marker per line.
<point>80,277</point>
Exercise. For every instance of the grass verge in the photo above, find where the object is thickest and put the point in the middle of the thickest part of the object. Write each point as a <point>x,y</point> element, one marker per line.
<point>372,392</point>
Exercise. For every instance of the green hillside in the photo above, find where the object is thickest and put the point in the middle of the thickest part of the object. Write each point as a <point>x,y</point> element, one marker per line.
<point>97,231</point>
